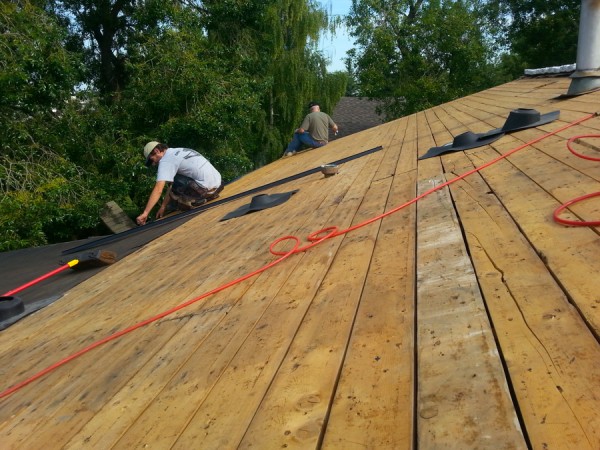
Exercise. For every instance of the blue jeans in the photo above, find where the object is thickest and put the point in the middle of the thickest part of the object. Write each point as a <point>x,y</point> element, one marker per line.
<point>300,139</point>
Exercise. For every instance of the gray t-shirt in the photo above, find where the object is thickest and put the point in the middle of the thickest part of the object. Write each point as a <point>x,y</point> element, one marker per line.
<point>190,163</point>
<point>317,123</point>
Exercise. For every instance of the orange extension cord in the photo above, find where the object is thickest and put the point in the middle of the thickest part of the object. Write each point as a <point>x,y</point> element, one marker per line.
<point>314,239</point>
<point>557,211</point>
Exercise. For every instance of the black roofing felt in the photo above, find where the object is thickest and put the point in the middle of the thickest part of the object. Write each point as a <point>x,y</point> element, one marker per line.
<point>19,267</point>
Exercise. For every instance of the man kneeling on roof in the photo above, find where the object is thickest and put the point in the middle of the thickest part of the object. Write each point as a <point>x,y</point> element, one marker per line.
<point>191,177</point>
<point>314,130</point>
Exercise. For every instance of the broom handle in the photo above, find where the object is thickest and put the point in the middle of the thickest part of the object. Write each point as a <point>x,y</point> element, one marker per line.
<point>42,278</point>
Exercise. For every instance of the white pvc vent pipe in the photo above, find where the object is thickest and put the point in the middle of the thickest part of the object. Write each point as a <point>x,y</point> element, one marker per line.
<point>587,73</point>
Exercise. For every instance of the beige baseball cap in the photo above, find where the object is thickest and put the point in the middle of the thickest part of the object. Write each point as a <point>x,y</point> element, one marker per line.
<point>148,149</point>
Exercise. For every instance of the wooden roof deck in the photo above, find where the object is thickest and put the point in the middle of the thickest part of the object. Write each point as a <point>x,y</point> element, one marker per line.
<point>467,320</point>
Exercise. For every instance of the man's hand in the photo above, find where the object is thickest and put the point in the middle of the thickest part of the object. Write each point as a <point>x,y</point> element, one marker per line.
<point>161,211</point>
<point>153,200</point>
<point>141,219</point>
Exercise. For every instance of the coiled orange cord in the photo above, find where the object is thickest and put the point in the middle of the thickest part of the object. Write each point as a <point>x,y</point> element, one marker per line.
<point>557,211</point>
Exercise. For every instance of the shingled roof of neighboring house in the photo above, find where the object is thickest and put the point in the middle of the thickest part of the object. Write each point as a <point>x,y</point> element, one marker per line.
<point>354,114</point>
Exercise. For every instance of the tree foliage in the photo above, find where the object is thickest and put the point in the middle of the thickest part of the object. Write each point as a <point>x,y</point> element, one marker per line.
<point>539,33</point>
<point>105,32</point>
<point>36,180</point>
<point>414,54</point>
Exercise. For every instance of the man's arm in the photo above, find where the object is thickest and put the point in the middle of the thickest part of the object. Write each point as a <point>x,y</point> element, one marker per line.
<point>165,202</point>
<point>153,200</point>
<point>305,125</point>
<point>332,124</point>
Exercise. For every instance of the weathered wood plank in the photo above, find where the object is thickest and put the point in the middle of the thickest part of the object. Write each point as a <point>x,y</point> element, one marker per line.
<point>570,253</point>
<point>551,356</point>
<point>295,408</point>
<point>130,356</point>
<point>461,383</point>
<point>538,395</point>
<point>115,218</point>
<point>373,405</point>
<point>463,399</point>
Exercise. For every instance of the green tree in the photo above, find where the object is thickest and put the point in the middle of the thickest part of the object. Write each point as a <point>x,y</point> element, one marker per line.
<point>41,191</point>
<point>414,54</point>
<point>538,33</point>
<point>105,32</point>
<point>183,92</point>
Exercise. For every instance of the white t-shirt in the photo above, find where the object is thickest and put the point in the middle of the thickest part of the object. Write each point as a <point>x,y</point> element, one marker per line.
<point>190,163</point>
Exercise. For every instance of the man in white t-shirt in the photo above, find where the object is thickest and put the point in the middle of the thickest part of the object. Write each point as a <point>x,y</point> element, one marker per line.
<point>192,178</point>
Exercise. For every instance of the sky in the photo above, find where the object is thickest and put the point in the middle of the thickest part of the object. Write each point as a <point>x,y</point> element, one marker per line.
<point>334,47</point>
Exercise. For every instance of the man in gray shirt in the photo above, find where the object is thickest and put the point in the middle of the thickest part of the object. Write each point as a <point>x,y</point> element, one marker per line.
<point>314,130</point>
